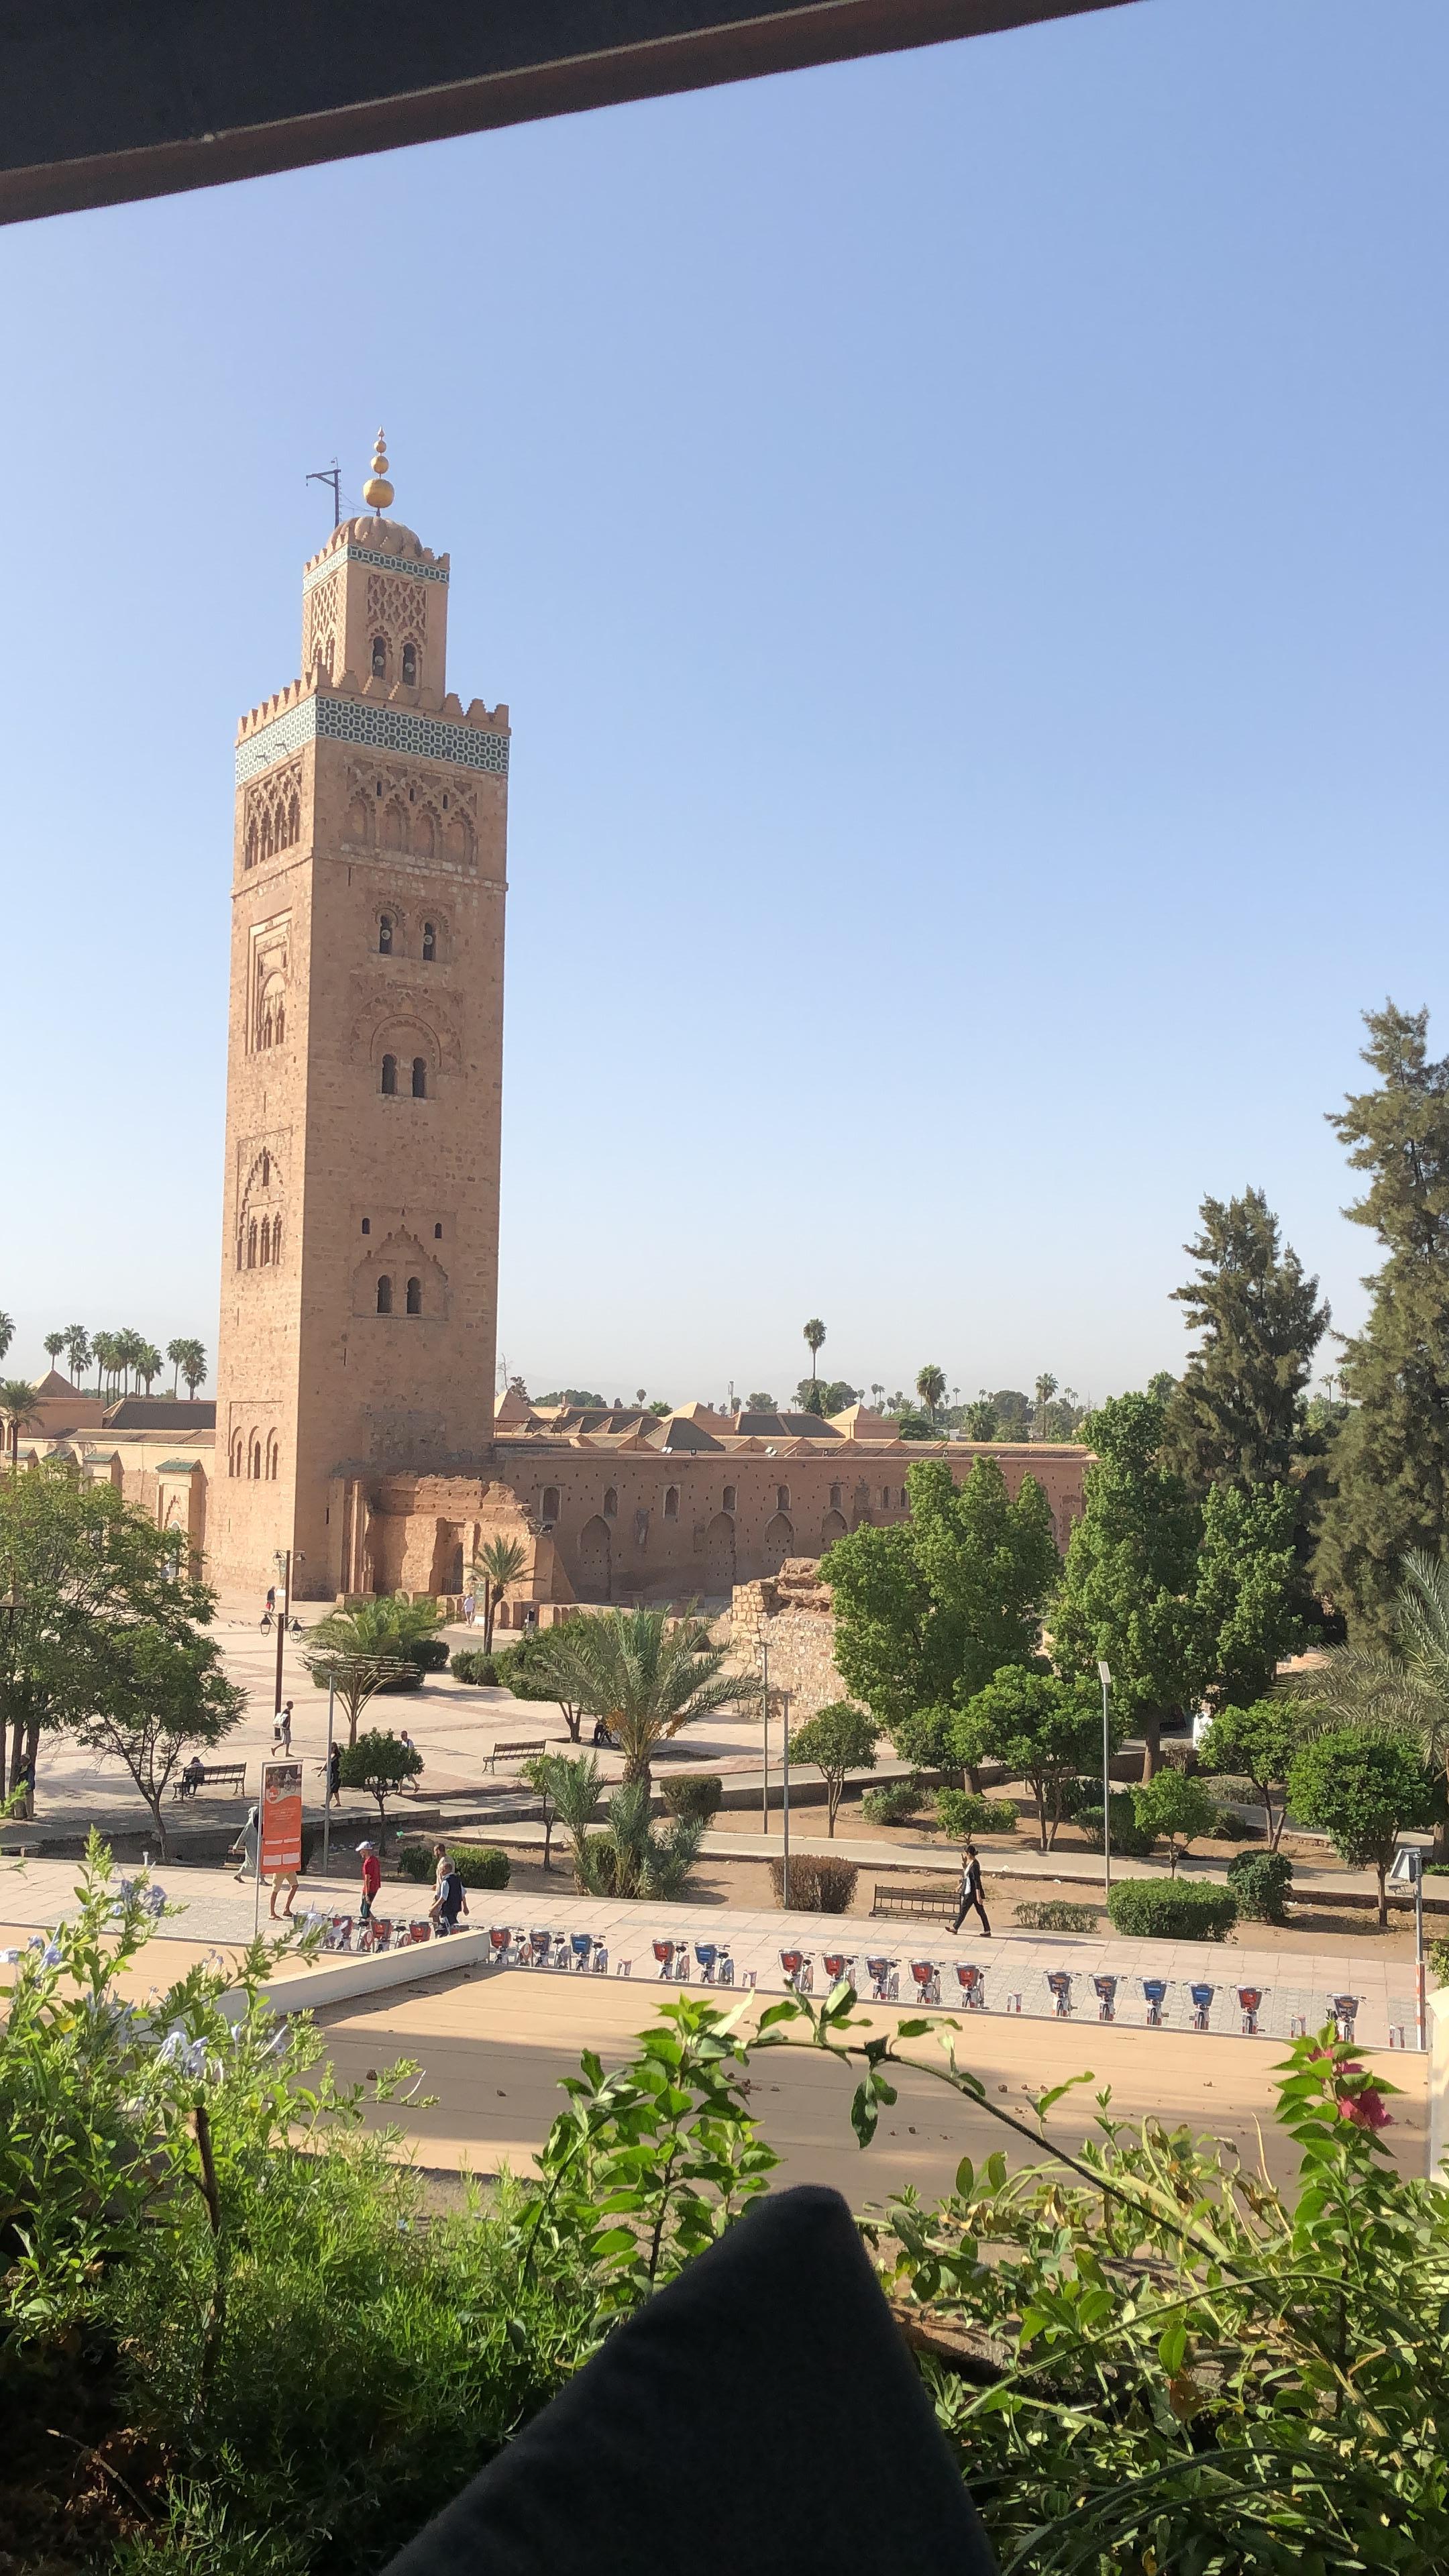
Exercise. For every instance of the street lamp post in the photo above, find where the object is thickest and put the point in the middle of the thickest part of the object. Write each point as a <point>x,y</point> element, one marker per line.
<point>327,1778</point>
<point>765,1775</point>
<point>1105,1678</point>
<point>284,1568</point>
<point>1409,1866</point>
<point>785,1803</point>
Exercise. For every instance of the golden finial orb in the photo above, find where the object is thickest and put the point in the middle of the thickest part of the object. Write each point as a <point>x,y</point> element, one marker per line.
<point>377,491</point>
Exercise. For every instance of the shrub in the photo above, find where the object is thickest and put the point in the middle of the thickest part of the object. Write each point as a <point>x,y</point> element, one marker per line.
<point>1156,1909</point>
<point>823,1886</point>
<point>700,1794</point>
<point>409,1679</point>
<point>1437,1953</point>
<point>1056,1914</point>
<point>1176,1809</point>
<point>960,1812</point>
<point>470,1664</point>
<point>430,1654</point>
<point>1262,1883</point>
<point>1128,1837</point>
<point>895,1804</point>
<point>477,1864</point>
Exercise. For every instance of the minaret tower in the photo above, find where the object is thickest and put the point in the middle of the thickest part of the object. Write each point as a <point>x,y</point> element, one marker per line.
<point>360,1236</point>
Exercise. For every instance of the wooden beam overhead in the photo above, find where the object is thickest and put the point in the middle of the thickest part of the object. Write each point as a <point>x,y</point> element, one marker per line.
<point>106,100</point>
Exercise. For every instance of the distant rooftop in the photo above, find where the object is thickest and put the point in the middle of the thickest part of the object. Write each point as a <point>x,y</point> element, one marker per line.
<point>159,1413</point>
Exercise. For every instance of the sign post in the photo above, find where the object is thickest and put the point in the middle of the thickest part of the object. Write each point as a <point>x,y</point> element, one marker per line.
<point>279,1842</point>
<point>327,1780</point>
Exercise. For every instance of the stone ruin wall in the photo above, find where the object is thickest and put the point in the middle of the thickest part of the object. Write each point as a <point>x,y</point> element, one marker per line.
<point>791,1613</point>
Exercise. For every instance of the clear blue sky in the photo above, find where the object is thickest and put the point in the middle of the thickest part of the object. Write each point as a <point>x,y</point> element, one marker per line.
<point>963,540</point>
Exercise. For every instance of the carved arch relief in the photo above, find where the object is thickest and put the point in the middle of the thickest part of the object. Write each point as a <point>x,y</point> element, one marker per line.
<point>391,1024</point>
<point>400,1281</point>
<point>261,1237</point>
<point>272,815</point>
<point>392,806</point>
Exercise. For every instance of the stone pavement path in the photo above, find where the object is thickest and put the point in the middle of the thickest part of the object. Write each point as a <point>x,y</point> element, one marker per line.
<point>1297,1989</point>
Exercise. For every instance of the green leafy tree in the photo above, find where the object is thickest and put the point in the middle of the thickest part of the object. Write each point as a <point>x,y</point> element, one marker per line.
<point>981,1419</point>
<point>156,1691</point>
<point>1363,1788</point>
<point>759,1402</point>
<point>911,1425</point>
<point>498,1568</point>
<point>814,1332</point>
<point>931,1387</point>
<point>928,1610</point>
<point>540,1772</point>
<point>1257,1744</point>
<point>524,1668</point>
<point>1175,1809</point>
<point>355,1677</point>
<point>838,1739</point>
<point>810,1397</point>
<point>88,1574</point>
<point>1129,1595</point>
<point>1046,1731</point>
<point>1012,1409</point>
<point>1391,1455</point>
<point>369,1647</point>
<point>1237,1414</point>
<point>1250,1589</point>
<point>380,1763</point>
<point>647,1674</point>
<point>1403,1690</point>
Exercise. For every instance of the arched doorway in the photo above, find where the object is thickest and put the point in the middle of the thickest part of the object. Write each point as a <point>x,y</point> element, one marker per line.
<point>779,1542</point>
<point>719,1554</point>
<point>831,1528</point>
<point>595,1566</point>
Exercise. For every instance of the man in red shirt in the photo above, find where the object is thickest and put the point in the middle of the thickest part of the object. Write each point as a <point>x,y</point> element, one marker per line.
<point>371,1879</point>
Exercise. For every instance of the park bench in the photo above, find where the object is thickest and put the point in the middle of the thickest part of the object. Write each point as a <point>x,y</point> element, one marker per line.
<point>227,1776</point>
<point>904,1904</point>
<point>519,1751</point>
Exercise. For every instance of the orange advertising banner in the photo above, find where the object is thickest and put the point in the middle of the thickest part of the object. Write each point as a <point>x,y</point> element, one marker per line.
<point>281,1817</point>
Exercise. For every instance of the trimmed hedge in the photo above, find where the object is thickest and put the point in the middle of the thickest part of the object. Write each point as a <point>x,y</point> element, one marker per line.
<point>699,1796</point>
<point>470,1664</point>
<point>1262,1882</point>
<point>1171,1909</point>
<point>1056,1914</point>
<point>430,1654</point>
<point>960,1812</point>
<point>477,1864</point>
<point>823,1886</point>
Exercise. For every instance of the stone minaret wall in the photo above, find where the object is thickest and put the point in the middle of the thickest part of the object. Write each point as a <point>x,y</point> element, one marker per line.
<point>360,1236</point>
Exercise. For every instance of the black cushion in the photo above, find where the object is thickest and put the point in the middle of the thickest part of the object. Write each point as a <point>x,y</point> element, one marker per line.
<point>762,2413</point>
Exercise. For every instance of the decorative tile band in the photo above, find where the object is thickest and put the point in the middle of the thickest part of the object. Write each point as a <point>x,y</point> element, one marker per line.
<point>370,555</point>
<point>378,728</point>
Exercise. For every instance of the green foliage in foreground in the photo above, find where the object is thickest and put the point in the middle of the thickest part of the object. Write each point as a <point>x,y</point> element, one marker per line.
<point>960,1812</point>
<point>232,2338</point>
<point>1057,1914</point>
<point>477,1864</point>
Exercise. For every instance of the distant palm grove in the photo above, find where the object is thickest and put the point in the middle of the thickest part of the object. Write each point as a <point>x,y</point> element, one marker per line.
<point>124,1361</point>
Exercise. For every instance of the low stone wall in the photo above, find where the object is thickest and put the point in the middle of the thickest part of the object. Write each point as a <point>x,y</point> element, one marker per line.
<point>791,1613</point>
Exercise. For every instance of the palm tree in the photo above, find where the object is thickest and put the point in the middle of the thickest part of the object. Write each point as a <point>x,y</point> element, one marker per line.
<point>644,1674</point>
<point>147,1363</point>
<point>176,1353</point>
<point>1046,1387</point>
<point>1405,1692</point>
<point>188,1358</point>
<point>103,1352</point>
<point>18,1411</point>
<point>930,1387</point>
<point>629,1858</point>
<point>131,1345</point>
<point>499,1566</point>
<point>814,1333</point>
<point>77,1350</point>
<point>7,1333</point>
<point>53,1345</point>
<point>365,1649</point>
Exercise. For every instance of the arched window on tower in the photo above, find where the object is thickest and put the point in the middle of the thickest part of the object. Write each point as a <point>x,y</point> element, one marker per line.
<point>251,1243</point>
<point>384,1295</point>
<point>256,1461</point>
<point>379,657</point>
<point>384,935</point>
<point>430,943</point>
<point>272,1456</point>
<point>236,1455</point>
<point>671,1502</point>
<point>415,1296</point>
<point>549,1511</point>
<point>389,1077</point>
<point>729,1498</point>
<point>782,1498</point>
<point>410,666</point>
<point>265,1254</point>
<point>249,853</point>
<point>294,821</point>
<point>276,1240</point>
<point>611,1503</point>
<point>420,1077</point>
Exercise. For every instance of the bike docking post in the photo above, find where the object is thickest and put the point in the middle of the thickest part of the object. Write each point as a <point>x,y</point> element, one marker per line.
<point>1250,2000</point>
<point>1202,2004</point>
<point>1106,1993</point>
<point>1059,1984</point>
<point>1155,1992</point>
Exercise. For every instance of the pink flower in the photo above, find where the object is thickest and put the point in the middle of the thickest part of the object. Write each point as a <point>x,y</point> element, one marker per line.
<point>1367,2110</point>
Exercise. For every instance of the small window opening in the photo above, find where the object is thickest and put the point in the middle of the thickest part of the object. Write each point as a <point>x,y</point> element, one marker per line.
<point>430,943</point>
<point>415,1296</point>
<point>367,1225</point>
<point>384,1295</point>
<point>611,1503</point>
<point>550,1503</point>
<point>437,1234</point>
<point>379,657</point>
<point>782,1498</point>
<point>671,1502</point>
<point>384,935</point>
<point>410,666</point>
<point>729,1498</point>
<point>420,1077</point>
<point>389,1077</point>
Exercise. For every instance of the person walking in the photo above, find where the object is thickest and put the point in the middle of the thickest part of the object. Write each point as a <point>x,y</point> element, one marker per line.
<point>282,1729</point>
<point>248,1843</point>
<point>334,1777</point>
<point>450,1897</point>
<point>968,1891</point>
<point>371,1880</point>
<point>282,1878</point>
<point>470,1606</point>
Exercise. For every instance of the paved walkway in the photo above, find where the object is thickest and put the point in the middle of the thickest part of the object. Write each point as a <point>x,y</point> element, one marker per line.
<point>1297,1988</point>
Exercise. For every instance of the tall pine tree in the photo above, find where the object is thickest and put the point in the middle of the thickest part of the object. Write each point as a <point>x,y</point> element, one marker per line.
<point>1237,1414</point>
<point>1391,1457</point>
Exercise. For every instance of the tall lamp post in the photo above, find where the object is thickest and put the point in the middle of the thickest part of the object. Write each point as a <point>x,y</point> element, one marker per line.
<point>765,1775</point>
<point>1408,1869</point>
<point>1105,1678</point>
<point>284,1569</point>
<point>785,1800</point>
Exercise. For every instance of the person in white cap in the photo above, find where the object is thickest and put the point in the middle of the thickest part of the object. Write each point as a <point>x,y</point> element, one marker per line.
<point>371,1879</point>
